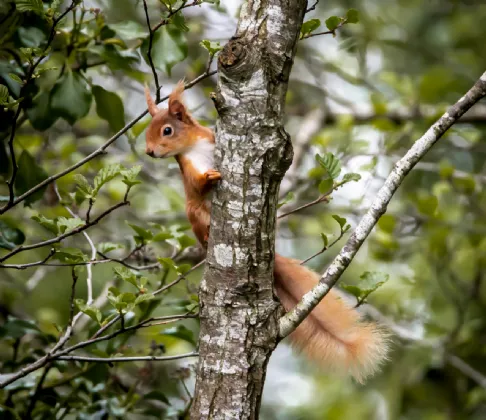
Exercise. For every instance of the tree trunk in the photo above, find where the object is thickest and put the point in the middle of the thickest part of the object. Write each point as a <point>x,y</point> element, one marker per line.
<point>239,311</point>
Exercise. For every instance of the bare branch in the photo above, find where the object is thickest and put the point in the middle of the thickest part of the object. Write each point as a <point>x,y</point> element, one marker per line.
<point>312,7</point>
<point>466,369</point>
<point>149,51</point>
<point>320,199</point>
<point>292,319</point>
<point>128,359</point>
<point>59,238</point>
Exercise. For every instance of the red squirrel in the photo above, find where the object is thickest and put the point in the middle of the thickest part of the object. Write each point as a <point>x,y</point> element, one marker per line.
<point>333,334</point>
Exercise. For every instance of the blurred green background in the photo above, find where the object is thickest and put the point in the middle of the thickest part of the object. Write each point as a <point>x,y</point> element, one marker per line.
<point>365,94</point>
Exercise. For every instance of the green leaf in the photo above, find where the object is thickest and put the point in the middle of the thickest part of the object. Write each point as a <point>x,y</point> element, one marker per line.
<point>167,263</point>
<point>138,128</point>
<point>56,4</point>
<point>309,26</point>
<point>325,186</point>
<point>129,30</point>
<point>105,175</point>
<point>35,6</point>
<point>40,114</point>
<point>130,175</point>
<point>17,328</point>
<point>181,332</point>
<point>84,190</point>
<point>371,165</point>
<point>325,241</point>
<point>288,197</point>
<point>32,36</point>
<point>212,47</point>
<point>156,395</point>
<point>10,236</point>
<point>71,98</point>
<point>352,16</point>
<point>127,275</point>
<point>427,204</point>
<point>70,255</point>
<point>185,241</point>
<point>370,281</point>
<point>4,95</point>
<point>92,311</point>
<point>179,22</point>
<point>169,48</point>
<point>109,106</point>
<point>143,298</point>
<point>143,235</point>
<point>183,268</point>
<point>16,78</point>
<point>354,290</point>
<point>351,177</point>
<point>340,220</point>
<point>162,236</point>
<point>379,103</point>
<point>29,175</point>
<point>333,22</point>
<point>49,224</point>
<point>105,247</point>
<point>331,164</point>
<point>66,225</point>
<point>127,297</point>
<point>387,223</point>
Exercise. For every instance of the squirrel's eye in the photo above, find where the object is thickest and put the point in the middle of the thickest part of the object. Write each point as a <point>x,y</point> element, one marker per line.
<point>167,131</point>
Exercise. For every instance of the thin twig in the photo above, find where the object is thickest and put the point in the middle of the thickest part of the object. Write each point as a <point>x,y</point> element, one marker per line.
<point>313,7</point>
<point>325,248</point>
<point>59,238</point>
<point>89,269</point>
<point>466,369</point>
<point>149,52</point>
<point>38,388</point>
<point>128,359</point>
<point>33,264</point>
<point>333,31</point>
<point>166,20</point>
<point>322,198</point>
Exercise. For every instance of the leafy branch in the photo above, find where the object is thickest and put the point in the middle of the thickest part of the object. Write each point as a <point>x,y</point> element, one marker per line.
<point>57,350</point>
<point>333,24</point>
<point>30,75</point>
<point>292,319</point>
<point>97,152</point>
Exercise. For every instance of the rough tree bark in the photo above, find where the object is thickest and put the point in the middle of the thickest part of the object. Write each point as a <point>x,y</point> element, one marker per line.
<point>239,312</point>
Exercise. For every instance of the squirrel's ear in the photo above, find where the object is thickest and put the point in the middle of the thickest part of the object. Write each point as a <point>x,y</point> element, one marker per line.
<point>152,107</point>
<point>176,107</point>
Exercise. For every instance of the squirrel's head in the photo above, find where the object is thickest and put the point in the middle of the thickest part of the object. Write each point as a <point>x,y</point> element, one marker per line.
<point>172,131</point>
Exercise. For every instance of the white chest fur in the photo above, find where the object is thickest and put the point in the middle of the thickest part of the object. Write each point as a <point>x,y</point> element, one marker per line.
<point>201,156</point>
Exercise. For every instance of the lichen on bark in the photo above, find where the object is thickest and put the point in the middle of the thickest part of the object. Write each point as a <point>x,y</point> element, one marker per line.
<point>239,312</point>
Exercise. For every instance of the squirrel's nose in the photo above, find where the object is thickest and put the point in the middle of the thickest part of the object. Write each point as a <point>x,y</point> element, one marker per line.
<point>149,152</point>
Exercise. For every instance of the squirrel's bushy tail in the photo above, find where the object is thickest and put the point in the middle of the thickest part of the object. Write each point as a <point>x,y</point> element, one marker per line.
<point>333,334</point>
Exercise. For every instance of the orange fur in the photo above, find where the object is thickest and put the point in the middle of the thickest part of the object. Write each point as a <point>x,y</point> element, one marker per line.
<point>332,334</point>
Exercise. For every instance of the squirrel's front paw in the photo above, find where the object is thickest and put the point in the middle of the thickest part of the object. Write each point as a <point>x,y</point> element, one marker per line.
<point>212,175</point>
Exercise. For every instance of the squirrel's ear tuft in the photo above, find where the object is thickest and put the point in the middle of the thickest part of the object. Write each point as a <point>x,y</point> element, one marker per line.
<point>176,107</point>
<point>152,107</point>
